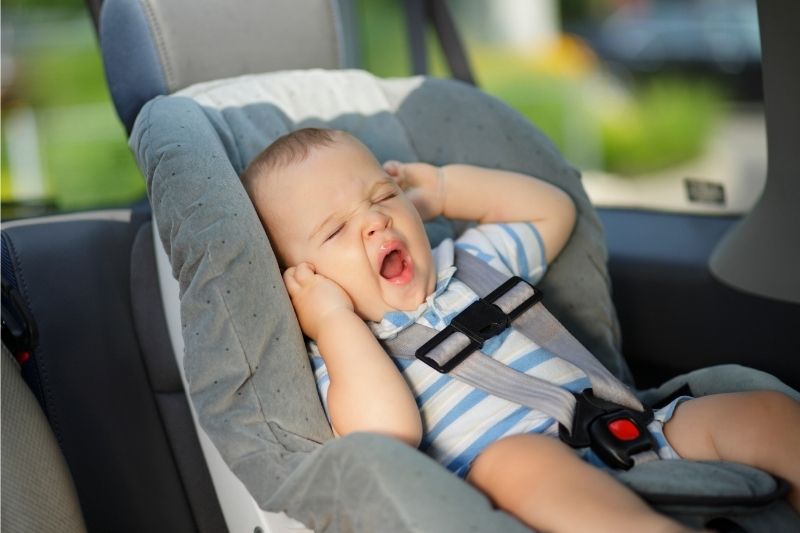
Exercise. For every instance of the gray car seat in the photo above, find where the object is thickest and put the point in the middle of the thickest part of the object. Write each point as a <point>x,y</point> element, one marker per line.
<point>85,289</point>
<point>243,346</point>
<point>191,147</point>
<point>37,489</point>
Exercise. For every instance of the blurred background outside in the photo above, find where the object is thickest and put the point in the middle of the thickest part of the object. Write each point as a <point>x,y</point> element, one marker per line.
<point>658,102</point>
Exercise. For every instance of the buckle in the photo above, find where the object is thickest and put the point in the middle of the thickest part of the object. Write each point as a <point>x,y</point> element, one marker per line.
<point>18,326</point>
<point>479,322</point>
<point>615,433</point>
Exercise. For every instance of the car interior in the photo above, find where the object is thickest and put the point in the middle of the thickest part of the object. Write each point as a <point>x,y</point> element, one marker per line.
<point>107,411</point>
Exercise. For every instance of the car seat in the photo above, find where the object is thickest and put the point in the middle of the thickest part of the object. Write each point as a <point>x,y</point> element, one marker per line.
<point>212,236</point>
<point>38,492</point>
<point>82,314</point>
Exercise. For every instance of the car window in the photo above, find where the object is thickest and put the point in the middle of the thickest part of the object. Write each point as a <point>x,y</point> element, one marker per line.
<point>659,103</point>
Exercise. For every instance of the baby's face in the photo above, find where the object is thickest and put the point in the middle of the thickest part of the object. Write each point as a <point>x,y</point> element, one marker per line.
<point>341,212</point>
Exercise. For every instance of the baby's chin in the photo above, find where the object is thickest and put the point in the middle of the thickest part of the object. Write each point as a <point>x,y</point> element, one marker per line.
<point>407,303</point>
<point>376,313</point>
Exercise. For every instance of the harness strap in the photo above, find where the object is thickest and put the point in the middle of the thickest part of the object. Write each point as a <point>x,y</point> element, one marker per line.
<point>494,377</point>
<point>539,325</point>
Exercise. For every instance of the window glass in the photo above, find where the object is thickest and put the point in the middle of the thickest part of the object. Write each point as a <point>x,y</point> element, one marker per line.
<point>658,102</point>
<point>63,147</point>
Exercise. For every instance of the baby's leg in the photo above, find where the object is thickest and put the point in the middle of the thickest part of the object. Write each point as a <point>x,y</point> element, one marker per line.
<point>546,485</point>
<point>760,429</point>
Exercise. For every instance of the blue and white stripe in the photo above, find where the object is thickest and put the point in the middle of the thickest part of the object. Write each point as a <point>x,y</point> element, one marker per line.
<point>459,421</point>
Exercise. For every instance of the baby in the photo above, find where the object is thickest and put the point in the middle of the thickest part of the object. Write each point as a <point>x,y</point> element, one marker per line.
<point>359,267</point>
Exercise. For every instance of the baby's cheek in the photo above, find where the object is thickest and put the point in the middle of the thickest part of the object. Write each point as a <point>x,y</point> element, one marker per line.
<point>368,301</point>
<point>347,263</point>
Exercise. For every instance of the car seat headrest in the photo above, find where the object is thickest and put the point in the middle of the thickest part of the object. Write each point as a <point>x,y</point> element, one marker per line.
<point>182,42</point>
<point>249,375</point>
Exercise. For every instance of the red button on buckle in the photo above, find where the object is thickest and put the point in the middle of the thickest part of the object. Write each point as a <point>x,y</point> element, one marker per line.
<point>623,429</point>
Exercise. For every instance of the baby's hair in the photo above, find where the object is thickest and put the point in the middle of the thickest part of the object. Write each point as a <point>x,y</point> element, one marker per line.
<point>285,150</point>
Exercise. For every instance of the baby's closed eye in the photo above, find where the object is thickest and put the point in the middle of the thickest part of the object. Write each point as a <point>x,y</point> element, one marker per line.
<point>387,196</point>
<point>335,232</point>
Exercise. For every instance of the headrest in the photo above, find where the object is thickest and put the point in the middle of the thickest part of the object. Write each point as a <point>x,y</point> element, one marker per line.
<point>245,360</point>
<point>181,42</point>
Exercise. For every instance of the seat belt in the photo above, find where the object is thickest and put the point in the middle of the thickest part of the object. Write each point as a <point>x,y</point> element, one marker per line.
<point>505,302</point>
<point>539,325</point>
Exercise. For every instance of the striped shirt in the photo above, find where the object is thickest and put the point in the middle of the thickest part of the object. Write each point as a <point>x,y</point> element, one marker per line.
<point>458,420</point>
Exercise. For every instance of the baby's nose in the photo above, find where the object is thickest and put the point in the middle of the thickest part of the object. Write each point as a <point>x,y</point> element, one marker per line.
<point>376,223</point>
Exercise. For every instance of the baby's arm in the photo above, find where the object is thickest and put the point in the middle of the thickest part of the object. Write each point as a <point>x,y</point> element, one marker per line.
<point>488,195</point>
<point>366,392</point>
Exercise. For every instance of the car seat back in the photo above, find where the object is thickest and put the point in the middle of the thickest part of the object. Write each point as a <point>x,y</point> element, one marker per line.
<point>181,42</point>
<point>37,489</point>
<point>102,369</point>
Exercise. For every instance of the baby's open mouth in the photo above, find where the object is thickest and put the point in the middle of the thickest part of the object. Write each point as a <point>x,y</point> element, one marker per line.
<point>396,265</point>
<point>393,265</point>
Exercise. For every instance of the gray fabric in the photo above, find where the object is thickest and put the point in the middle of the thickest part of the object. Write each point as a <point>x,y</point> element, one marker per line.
<point>247,368</point>
<point>698,479</point>
<point>165,381</point>
<point>441,354</point>
<point>453,122</point>
<point>370,483</point>
<point>149,320</point>
<point>37,489</point>
<point>74,275</point>
<point>488,374</point>
<point>249,376</point>
<point>718,379</point>
<point>181,42</point>
<point>697,492</point>
<point>215,40</point>
<point>540,325</point>
<point>438,121</point>
<point>518,295</point>
<point>200,493</point>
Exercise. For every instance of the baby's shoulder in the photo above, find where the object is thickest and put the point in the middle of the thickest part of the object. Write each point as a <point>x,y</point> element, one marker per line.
<point>514,248</point>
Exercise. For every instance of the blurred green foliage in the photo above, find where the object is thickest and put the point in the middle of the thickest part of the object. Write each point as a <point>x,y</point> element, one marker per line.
<point>667,124</point>
<point>662,123</point>
<point>84,157</point>
<point>384,40</point>
<point>64,76</point>
<point>74,5</point>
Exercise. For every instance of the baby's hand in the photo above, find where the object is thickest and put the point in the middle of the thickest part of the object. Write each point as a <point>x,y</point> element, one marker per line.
<point>423,184</point>
<point>314,297</point>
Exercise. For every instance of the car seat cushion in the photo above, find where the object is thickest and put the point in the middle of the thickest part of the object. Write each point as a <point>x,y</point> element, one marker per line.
<point>248,373</point>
